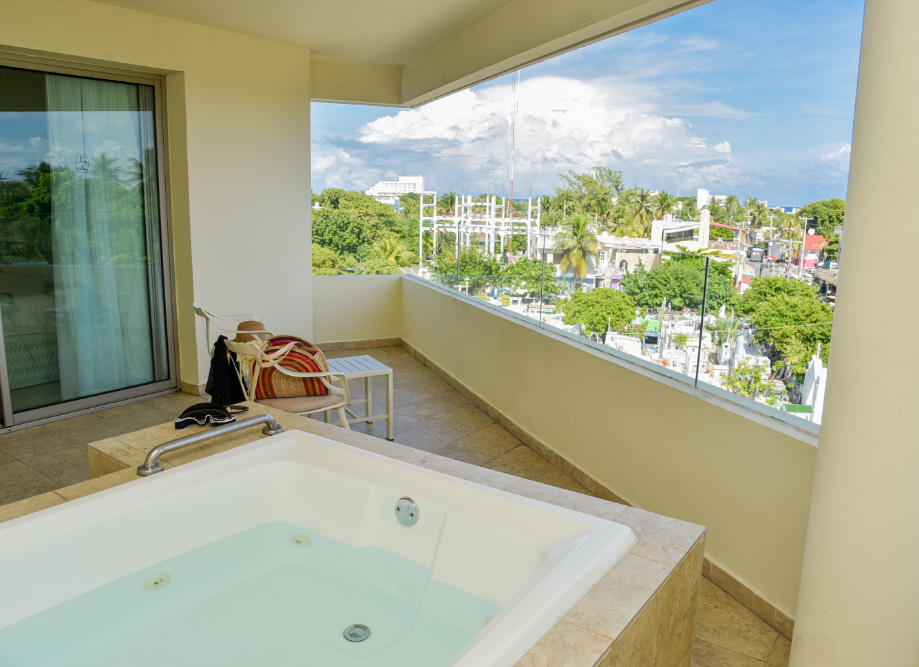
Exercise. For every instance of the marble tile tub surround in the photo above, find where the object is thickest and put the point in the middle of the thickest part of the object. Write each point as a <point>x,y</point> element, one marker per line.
<point>644,606</point>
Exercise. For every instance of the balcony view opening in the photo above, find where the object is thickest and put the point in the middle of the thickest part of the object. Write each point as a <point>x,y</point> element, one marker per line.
<point>674,196</point>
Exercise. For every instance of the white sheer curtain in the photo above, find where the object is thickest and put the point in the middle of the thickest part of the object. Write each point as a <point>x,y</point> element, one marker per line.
<point>102,299</point>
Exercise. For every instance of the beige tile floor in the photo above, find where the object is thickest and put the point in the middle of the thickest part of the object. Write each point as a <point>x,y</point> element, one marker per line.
<point>430,415</point>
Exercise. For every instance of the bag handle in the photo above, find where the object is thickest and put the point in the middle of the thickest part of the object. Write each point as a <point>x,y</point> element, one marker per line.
<point>267,360</point>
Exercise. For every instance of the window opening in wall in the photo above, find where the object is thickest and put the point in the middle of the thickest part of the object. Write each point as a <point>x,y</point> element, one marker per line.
<point>659,181</point>
<point>84,308</point>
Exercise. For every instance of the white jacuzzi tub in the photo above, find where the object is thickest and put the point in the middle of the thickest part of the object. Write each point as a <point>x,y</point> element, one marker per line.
<point>527,560</point>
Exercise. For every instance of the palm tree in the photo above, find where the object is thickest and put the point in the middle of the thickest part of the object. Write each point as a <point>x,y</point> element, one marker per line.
<point>732,206</point>
<point>577,244</point>
<point>107,169</point>
<point>663,204</point>
<point>390,249</point>
<point>757,212</point>
<point>641,205</point>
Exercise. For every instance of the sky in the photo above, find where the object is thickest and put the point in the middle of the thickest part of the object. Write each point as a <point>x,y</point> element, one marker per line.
<point>745,97</point>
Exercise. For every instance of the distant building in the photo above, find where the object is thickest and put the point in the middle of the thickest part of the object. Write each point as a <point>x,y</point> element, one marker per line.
<point>813,244</point>
<point>388,192</point>
<point>704,198</point>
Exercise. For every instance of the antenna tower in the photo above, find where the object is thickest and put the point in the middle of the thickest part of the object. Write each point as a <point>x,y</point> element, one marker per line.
<point>515,79</point>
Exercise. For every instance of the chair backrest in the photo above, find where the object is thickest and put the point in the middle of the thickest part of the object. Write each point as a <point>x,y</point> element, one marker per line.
<point>242,327</point>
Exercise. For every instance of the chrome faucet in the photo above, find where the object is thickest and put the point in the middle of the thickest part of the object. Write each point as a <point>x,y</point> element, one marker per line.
<point>150,465</point>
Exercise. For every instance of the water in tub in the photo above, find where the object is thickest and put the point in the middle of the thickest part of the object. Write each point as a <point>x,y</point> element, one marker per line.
<point>272,595</point>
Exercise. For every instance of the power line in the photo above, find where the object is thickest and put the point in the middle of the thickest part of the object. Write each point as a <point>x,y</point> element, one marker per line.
<point>792,326</point>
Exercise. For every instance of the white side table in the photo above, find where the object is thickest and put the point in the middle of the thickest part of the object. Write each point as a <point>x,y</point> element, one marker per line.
<point>366,367</point>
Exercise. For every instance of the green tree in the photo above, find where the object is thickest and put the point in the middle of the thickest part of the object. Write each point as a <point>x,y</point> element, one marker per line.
<point>409,203</point>
<point>680,280</point>
<point>480,270</point>
<point>762,290</point>
<point>689,210</point>
<point>325,262</point>
<point>681,339</point>
<point>527,275</point>
<point>637,285</point>
<point>721,233</point>
<point>343,234</point>
<point>446,203</point>
<point>391,249</point>
<point>598,308</point>
<point>791,328</point>
<point>724,330</point>
<point>592,192</point>
<point>351,224</point>
<point>663,204</point>
<point>733,208</point>
<point>577,244</point>
<point>748,381</point>
<point>757,212</point>
<point>375,266</point>
<point>825,215</point>
<point>640,205</point>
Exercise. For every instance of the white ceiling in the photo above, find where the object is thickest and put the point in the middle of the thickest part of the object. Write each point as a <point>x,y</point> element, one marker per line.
<point>391,32</point>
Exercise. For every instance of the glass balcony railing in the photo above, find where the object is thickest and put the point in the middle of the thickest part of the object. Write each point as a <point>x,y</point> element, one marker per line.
<point>755,332</point>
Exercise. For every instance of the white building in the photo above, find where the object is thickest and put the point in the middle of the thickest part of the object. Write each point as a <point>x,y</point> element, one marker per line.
<point>704,198</point>
<point>387,192</point>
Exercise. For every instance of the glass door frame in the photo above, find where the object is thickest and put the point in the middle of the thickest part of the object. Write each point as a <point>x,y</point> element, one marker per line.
<point>10,419</point>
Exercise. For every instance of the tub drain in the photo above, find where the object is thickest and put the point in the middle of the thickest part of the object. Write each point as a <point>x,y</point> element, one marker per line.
<point>299,540</point>
<point>157,581</point>
<point>356,633</point>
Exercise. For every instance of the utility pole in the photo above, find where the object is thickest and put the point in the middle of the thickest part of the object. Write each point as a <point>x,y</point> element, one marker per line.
<point>803,247</point>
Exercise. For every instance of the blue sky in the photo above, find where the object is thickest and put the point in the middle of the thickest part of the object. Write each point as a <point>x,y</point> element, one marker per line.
<point>746,97</point>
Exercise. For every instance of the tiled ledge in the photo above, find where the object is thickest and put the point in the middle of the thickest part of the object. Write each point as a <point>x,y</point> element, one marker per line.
<point>642,611</point>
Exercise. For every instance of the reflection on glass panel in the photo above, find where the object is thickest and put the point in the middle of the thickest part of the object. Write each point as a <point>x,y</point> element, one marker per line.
<point>80,265</point>
<point>698,315</point>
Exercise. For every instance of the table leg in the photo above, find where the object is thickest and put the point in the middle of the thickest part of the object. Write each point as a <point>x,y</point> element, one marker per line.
<point>368,393</point>
<point>389,410</point>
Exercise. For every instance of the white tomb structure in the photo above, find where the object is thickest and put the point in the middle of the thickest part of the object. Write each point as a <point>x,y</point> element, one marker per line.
<point>815,386</point>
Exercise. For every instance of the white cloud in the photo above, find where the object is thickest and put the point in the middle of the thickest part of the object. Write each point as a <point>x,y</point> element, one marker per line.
<point>10,148</point>
<point>839,157</point>
<point>463,141</point>
<point>699,43</point>
<point>716,109</point>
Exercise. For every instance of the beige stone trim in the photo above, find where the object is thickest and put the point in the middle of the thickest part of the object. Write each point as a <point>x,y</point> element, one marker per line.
<point>193,389</point>
<point>359,344</point>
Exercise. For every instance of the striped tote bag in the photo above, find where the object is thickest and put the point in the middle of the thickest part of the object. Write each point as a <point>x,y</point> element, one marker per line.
<point>292,354</point>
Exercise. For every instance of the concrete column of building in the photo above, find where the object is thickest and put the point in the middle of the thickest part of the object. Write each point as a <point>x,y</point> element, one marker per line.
<point>859,596</point>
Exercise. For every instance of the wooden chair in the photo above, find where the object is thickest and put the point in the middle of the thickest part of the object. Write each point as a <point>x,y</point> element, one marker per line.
<point>338,398</point>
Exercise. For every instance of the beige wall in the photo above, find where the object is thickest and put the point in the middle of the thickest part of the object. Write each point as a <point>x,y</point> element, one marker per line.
<point>658,444</point>
<point>239,154</point>
<point>666,449</point>
<point>352,308</point>
<point>858,590</point>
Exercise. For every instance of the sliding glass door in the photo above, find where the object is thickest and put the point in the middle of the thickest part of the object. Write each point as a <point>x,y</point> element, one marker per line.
<point>82,296</point>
